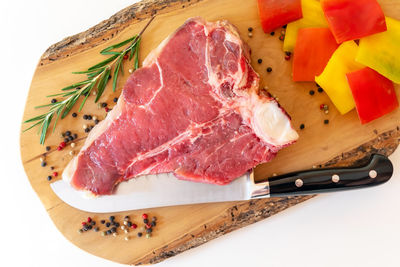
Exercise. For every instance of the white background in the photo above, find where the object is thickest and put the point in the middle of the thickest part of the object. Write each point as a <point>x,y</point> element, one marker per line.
<point>358,228</point>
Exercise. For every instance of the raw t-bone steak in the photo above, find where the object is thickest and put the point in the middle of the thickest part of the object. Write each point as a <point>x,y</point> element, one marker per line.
<point>192,109</point>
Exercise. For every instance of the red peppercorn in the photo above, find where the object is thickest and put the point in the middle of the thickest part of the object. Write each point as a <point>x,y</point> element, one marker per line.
<point>126,56</point>
<point>55,174</point>
<point>89,219</point>
<point>133,226</point>
<point>282,37</point>
<point>83,223</point>
<point>148,226</point>
<point>144,216</point>
<point>62,144</point>
<point>107,109</point>
<point>321,107</point>
<point>59,148</point>
<point>287,57</point>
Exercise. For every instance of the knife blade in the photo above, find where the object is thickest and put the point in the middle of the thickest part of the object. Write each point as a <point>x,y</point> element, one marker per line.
<point>166,190</point>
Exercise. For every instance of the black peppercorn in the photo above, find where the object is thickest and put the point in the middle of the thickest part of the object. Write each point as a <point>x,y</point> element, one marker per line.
<point>53,100</point>
<point>250,29</point>
<point>85,117</point>
<point>116,224</point>
<point>108,224</point>
<point>103,221</point>
<point>89,117</point>
<point>49,178</point>
<point>87,130</point>
<point>145,221</point>
<point>302,126</point>
<point>259,61</point>
<point>75,136</point>
<point>288,53</point>
<point>108,232</point>
<point>153,224</point>
<point>129,224</point>
<point>312,92</point>
<point>272,33</point>
<point>74,115</point>
<point>326,121</point>
<point>96,121</point>
<point>43,164</point>
<point>139,234</point>
<point>114,229</point>
<point>269,69</point>
<point>66,140</point>
<point>52,168</point>
<point>96,229</point>
<point>112,218</point>
<point>320,90</point>
<point>67,133</point>
<point>93,223</point>
<point>70,138</point>
<point>115,99</point>
<point>89,227</point>
<point>103,105</point>
<point>48,148</point>
<point>149,230</point>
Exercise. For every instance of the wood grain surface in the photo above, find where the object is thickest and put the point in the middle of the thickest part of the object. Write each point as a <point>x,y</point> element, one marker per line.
<point>340,143</point>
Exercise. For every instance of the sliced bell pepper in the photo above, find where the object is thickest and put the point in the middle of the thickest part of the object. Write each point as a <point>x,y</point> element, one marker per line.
<point>313,17</point>
<point>353,19</point>
<point>276,13</point>
<point>314,48</point>
<point>381,51</point>
<point>333,79</point>
<point>373,94</point>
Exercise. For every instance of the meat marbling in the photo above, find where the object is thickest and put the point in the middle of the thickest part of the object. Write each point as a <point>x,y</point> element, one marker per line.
<point>193,109</point>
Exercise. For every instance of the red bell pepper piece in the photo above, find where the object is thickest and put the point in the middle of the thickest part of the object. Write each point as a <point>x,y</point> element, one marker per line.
<point>276,13</point>
<point>373,94</point>
<point>353,19</point>
<point>314,47</point>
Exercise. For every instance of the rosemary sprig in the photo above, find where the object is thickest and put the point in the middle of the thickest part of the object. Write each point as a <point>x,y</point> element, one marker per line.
<point>97,78</point>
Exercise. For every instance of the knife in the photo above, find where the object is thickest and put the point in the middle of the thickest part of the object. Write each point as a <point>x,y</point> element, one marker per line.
<point>166,190</point>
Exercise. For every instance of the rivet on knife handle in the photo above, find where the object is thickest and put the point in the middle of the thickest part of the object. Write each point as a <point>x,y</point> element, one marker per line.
<point>378,170</point>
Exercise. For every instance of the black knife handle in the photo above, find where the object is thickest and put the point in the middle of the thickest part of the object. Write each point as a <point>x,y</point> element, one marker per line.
<point>377,171</point>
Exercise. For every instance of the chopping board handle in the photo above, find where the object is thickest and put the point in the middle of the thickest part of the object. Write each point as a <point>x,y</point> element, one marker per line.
<point>378,170</point>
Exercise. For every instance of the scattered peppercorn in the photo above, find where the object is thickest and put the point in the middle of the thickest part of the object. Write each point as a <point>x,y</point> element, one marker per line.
<point>103,105</point>
<point>89,117</point>
<point>75,136</point>
<point>102,221</point>
<point>126,56</point>
<point>129,224</point>
<point>52,168</point>
<point>87,130</point>
<point>85,117</point>
<point>93,223</point>
<point>272,33</point>
<point>284,26</point>
<point>114,229</point>
<point>153,223</point>
<point>53,100</point>
<point>108,224</point>
<point>154,219</point>
<point>116,224</point>
<point>250,29</point>
<point>49,178</point>
<point>139,234</point>
<point>80,231</point>
<point>302,126</point>
<point>288,53</point>
<point>134,226</point>
<point>112,218</point>
<point>149,230</point>
<point>96,229</point>
<point>147,226</point>
<point>144,216</point>
<point>74,114</point>
<point>115,99</point>
<point>66,140</point>
<point>67,133</point>
<point>282,37</point>
<point>96,121</point>
<point>312,92</point>
<point>145,221</point>
<point>108,232</point>
<point>287,57</point>
<point>320,90</point>
<point>48,148</point>
<point>148,235</point>
<point>259,61</point>
<point>70,138</point>
<point>269,69</point>
<point>43,164</point>
<point>326,121</point>
<point>106,109</point>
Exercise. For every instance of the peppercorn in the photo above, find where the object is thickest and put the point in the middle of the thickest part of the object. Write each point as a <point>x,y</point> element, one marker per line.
<point>117,224</point>
<point>96,121</point>
<point>288,53</point>
<point>87,130</point>
<point>48,148</point>
<point>106,109</point>
<point>282,37</point>
<point>302,126</point>
<point>287,57</point>
<point>108,224</point>
<point>147,226</point>
<point>312,92</point>
<point>114,229</point>
<point>320,90</point>
<point>43,164</point>
<point>134,226</point>
<point>85,117</point>
<point>89,227</point>
<point>154,219</point>
<point>52,168</point>
<point>139,234</point>
<point>74,114</point>
<point>80,231</point>
<point>259,61</point>
<point>63,144</point>
<point>49,178</point>
<point>104,233</point>
<point>103,221</point>
<point>93,223</point>
<point>112,218</point>
<point>149,230</point>
<point>66,140</point>
<point>53,100</point>
<point>145,221</point>
<point>59,148</point>
<point>284,26</point>
<point>153,223</point>
<point>126,218</point>
<point>67,133</point>
<point>126,238</point>
<point>326,121</point>
<point>103,105</point>
<point>115,99</point>
<point>108,232</point>
<point>70,138</point>
<point>89,219</point>
<point>89,117</point>
<point>96,229</point>
<point>269,69</point>
<point>148,235</point>
<point>250,29</point>
<point>144,216</point>
<point>272,33</point>
<point>75,136</point>
<point>126,56</point>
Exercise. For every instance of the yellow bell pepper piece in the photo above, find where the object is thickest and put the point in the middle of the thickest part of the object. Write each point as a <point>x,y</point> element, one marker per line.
<point>381,52</point>
<point>333,79</point>
<point>313,17</point>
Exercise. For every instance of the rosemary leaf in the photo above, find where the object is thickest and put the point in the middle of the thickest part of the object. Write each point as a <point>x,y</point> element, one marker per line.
<point>102,85</point>
<point>73,86</point>
<point>116,70</point>
<point>108,49</point>
<point>104,62</point>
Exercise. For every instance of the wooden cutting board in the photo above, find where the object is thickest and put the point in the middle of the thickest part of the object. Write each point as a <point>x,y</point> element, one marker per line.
<point>342,142</point>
